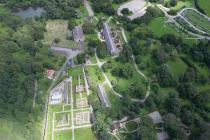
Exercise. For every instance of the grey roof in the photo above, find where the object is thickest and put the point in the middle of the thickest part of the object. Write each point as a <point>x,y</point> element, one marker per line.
<point>65,90</point>
<point>111,46</point>
<point>78,34</point>
<point>162,135</point>
<point>156,117</point>
<point>103,97</point>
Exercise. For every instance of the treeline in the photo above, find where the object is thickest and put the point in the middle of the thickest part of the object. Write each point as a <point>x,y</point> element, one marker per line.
<point>21,4</point>
<point>185,106</point>
<point>54,9</point>
<point>105,6</point>
<point>198,7</point>
<point>23,60</point>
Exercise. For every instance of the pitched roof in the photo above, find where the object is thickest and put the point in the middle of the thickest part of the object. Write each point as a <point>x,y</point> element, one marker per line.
<point>103,97</point>
<point>78,34</point>
<point>111,46</point>
<point>156,117</point>
<point>162,135</point>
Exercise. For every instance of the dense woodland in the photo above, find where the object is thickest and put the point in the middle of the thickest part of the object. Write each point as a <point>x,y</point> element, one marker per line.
<point>185,104</point>
<point>62,9</point>
<point>106,6</point>
<point>23,61</point>
<point>24,57</point>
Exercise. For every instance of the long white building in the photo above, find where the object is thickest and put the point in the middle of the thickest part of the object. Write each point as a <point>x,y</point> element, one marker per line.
<point>111,46</point>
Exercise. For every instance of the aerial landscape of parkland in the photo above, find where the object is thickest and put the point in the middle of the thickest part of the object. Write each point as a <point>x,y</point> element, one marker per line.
<point>104,69</point>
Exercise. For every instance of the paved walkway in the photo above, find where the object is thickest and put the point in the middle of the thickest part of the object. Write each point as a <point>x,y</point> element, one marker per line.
<point>35,93</point>
<point>69,55</point>
<point>99,63</point>
<point>45,120</point>
<point>107,81</point>
<point>72,112</point>
<point>143,75</point>
<point>86,83</point>
<point>180,14</point>
<point>110,18</point>
<point>171,19</point>
<point>89,8</point>
<point>124,36</point>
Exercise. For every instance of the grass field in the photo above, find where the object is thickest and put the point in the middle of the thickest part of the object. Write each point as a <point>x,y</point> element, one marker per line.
<point>198,20</point>
<point>159,28</point>
<point>131,126</point>
<point>84,134</point>
<point>116,102</point>
<point>204,4</point>
<point>67,107</point>
<point>122,83</point>
<point>75,72</point>
<point>58,29</point>
<point>51,109</point>
<point>181,4</point>
<point>82,13</point>
<point>177,67</point>
<point>203,70</point>
<point>95,75</point>
<point>63,135</point>
<point>129,130</point>
<point>8,126</point>
<point>4,31</point>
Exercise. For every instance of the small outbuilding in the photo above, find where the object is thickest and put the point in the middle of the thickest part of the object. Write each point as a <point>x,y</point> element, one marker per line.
<point>49,73</point>
<point>156,117</point>
<point>59,93</point>
<point>162,136</point>
<point>78,34</point>
<point>56,98</point>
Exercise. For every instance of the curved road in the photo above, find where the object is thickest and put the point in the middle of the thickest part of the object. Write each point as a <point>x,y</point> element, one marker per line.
<point>171,18</point>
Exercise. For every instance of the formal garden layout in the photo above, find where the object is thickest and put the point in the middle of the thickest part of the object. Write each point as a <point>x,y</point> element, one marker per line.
<point>105,70</point>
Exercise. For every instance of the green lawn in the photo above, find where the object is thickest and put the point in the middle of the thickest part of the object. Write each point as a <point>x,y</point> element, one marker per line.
<point>123,83</point>
<point>51,109</point>
<point>58,29</point>
<point>93,59</point>
<point>60,116</point>
<point>204,88</point>
<point>84,134</point>
<point>63,135</point>
<point>198,20</point>
<point>4,31</point>
<point>177,67</point>
<point>95,75</point>
<point>115,101</point>
<point>160,28</point>
<point>203,70</point>
<point>74,73</point>
<point>7,126</point>
<point>143,111</point>
<point>164,92</point>
<point>67,107</point>
<point>204,4</point>
<point>131,126</point>
<point>181,4</point>
<point>113,138</point>
<point>146,62</point>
